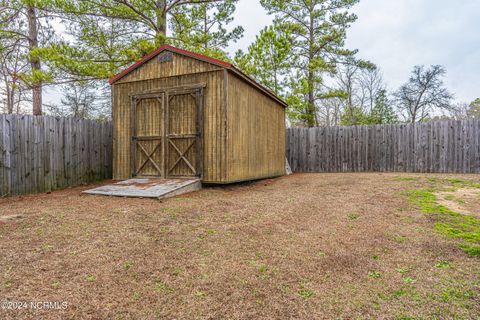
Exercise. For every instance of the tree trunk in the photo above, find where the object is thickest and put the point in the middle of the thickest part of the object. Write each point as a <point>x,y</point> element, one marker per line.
<point>275,77</point>
<point>205,29</point>
<point>161,31</point>
<point>10,97</point>
<point>311,116</point>
<point>35,63</point>
<point>9,101</point>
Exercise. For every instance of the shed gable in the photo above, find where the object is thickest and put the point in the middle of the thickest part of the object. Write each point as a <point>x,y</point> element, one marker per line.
<point>167,64</point>
<point>168,61</point>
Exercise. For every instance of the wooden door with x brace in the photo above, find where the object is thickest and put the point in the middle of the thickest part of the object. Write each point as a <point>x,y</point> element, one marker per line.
<point>167,133</point>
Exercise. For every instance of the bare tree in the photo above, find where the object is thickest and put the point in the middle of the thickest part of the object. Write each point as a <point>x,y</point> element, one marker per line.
<point>330,112</point>
<point>360,84</point>
<point>370,83</point>
<point>12,90</point>
<point>423,94</point>
<point>465,110</point>
<point>347,81</point>
<point>83,99</point>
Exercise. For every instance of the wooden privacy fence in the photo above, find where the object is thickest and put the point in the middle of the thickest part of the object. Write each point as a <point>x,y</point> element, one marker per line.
<point>443,146</point>
<point>42,153</point>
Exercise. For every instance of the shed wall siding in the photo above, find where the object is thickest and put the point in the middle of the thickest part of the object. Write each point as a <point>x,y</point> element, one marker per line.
<point>213,129</point>
<point>255,133</point>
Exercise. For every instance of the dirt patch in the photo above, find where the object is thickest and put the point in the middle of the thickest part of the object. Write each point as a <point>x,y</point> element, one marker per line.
<point>316,246</point>
<point>464,200</point>
<point>11,218</point>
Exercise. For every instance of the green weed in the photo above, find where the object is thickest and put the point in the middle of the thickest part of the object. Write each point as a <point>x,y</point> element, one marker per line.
<point>263,268</point>
<point>211,232</point>
<point>443,264</point>
<point>207,233</point>
<point>409,280</point>
<point>353,216</point>
<point>450,294</point>
<point>161,286</point>
<point>305,293</point>
<point>200,294</point>
<point>136,296</point>
<point>459,183</point>
<point>406,291</point>
<point>264,272</point>
<point>403,270</point>
<point>405,317</point>
<point>47,247</point>
<point>90,278</point>
<point>399,238</point>
<point>406,178</point>
<point>374,274</point>
<point>399,293</point>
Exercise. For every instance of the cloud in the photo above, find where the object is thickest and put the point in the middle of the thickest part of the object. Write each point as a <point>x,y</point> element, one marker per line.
<point>396,35</point>
<point>251,15</point>
<point>399,34</point>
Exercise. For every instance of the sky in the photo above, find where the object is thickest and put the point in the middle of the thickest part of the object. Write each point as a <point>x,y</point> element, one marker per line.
<point>396,35</point>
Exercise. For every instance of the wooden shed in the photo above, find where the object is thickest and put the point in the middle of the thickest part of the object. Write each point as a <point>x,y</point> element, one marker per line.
<point>180,114</point>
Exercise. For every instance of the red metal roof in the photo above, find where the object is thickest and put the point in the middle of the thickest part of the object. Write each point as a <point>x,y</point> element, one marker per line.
<point>198,56</point>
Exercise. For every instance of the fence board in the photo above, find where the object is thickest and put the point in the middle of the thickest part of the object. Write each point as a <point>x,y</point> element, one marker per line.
<point>41,154</point>
<point>444,146</point>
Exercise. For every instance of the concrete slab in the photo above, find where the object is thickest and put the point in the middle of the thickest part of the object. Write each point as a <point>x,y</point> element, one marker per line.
<point>148,188</point>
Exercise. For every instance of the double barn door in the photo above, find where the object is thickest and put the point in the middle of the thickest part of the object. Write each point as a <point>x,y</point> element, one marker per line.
<point>167,132</point>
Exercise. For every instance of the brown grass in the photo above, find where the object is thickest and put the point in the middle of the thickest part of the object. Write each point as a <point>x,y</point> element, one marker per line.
<point>305,246</point>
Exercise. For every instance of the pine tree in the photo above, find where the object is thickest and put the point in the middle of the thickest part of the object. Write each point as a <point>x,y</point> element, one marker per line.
<point>202,27</point>
<point>268,58</point>
<point>319,31</point>
<point>354,116</point>
<point>473,111</point>
<point>105,36</point>
<point>382,111</point>
<point>27,23</point>
<point>98,49</point>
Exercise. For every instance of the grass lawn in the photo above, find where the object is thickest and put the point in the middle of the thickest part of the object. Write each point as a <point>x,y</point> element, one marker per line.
<point>323,246</point>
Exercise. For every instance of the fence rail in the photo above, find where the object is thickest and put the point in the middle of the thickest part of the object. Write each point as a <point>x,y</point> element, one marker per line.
<point>42,153</point>
<point>443,146</point>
